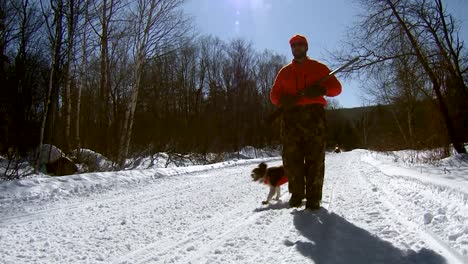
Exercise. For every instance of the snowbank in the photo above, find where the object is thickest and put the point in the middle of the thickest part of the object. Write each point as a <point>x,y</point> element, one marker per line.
<point>24,167</point>
<point>50,153</point>
<point>92,160</point>
<point>83,184</point>
<point>252,153</point>
<point>165,160</point>
<point>451,172</point>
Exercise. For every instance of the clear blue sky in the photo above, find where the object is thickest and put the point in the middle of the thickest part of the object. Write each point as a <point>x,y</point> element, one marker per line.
<point>269,24</point>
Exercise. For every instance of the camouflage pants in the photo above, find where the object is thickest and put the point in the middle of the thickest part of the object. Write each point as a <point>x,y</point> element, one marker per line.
<point>303,136</point>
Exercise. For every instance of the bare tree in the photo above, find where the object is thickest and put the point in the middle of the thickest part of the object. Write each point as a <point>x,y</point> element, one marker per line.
<point>385,21</point>
<point>55,29</point>
<point>6,21</point>
<point>436,82</point>
<point>364,124</point>
<point>72,12</point>
<point>18,39</point>
<point>108,11</point>
<point>82,79</point>
<point>268,65</point>
<point>332,104</point>
<point>155,24</point>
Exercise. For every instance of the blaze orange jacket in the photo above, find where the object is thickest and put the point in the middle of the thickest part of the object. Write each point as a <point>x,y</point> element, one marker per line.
<point>295,77</point>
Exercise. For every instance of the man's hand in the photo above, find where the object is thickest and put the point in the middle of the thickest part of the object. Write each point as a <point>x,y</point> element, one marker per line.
<point>288,101</point>
<point>314,91</point>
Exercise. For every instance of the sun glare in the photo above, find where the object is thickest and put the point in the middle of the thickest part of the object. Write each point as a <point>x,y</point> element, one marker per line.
<point>250,4</point>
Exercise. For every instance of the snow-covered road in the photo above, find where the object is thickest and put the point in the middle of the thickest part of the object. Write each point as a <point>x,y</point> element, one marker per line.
<point>214,215</point>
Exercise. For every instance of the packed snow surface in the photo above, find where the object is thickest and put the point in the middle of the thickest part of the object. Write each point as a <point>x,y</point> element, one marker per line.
<point>375,209</point>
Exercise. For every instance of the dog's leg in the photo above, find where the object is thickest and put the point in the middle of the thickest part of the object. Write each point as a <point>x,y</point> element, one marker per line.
<point>270,195</point>
<point>278,193</point>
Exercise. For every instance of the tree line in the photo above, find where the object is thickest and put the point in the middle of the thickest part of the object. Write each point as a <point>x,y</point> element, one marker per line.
<point>127,78</point>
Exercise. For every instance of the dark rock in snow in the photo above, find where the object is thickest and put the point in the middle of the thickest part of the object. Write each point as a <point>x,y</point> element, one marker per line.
<point>62,166</point>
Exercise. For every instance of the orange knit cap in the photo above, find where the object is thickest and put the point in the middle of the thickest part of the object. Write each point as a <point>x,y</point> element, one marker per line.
<point>298,39</point>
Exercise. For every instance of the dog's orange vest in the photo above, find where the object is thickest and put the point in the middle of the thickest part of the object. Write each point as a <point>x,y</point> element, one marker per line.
<point>282,181</point>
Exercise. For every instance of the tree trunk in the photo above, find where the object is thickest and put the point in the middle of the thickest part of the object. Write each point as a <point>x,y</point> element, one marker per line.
<point>400,127</point>
<point>52,78</point>
<point>410,119</point>
<point>129,115</point>
<point>104,82</point>
<point>68,74</point>
<point>81,79</point>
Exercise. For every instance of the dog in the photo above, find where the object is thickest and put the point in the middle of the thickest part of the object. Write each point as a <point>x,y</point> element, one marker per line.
<point>273,177</point>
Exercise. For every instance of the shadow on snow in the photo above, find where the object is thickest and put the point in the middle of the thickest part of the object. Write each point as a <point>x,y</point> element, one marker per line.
<point>273,206</point>
<point>332,239</point>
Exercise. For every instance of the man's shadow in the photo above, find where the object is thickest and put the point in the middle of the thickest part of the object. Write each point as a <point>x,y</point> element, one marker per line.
<point>332,239</point>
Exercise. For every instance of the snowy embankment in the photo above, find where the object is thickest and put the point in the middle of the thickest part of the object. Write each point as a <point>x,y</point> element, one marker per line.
<point>86,184</point>
<point>432,196</point>
<point>163,159</point>
<point>87,160</point>
<point>375,210</point>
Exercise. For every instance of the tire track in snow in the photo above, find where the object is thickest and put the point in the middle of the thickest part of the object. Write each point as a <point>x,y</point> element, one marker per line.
<point>199,240</point>
<point>194,231</point>
<point>113,198</point>
<point>361,202</point>
<point>232,234</point>
<point>37,200</point>
<point>37,215</point>
<point>154,251</point>
<point>161,248</point>
<point>387,196</point>
<point>197,233</point>
<point>218,240</point>
<point>138,212</point>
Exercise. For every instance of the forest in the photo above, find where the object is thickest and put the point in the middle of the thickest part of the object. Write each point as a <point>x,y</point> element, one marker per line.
<point>133,78</point>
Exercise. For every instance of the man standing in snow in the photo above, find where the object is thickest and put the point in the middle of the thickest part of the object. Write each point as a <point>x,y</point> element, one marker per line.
<point>303,122</point>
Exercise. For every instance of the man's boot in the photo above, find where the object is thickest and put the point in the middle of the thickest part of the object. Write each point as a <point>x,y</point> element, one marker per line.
<point>312,205</point>
<point>295,201</point>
